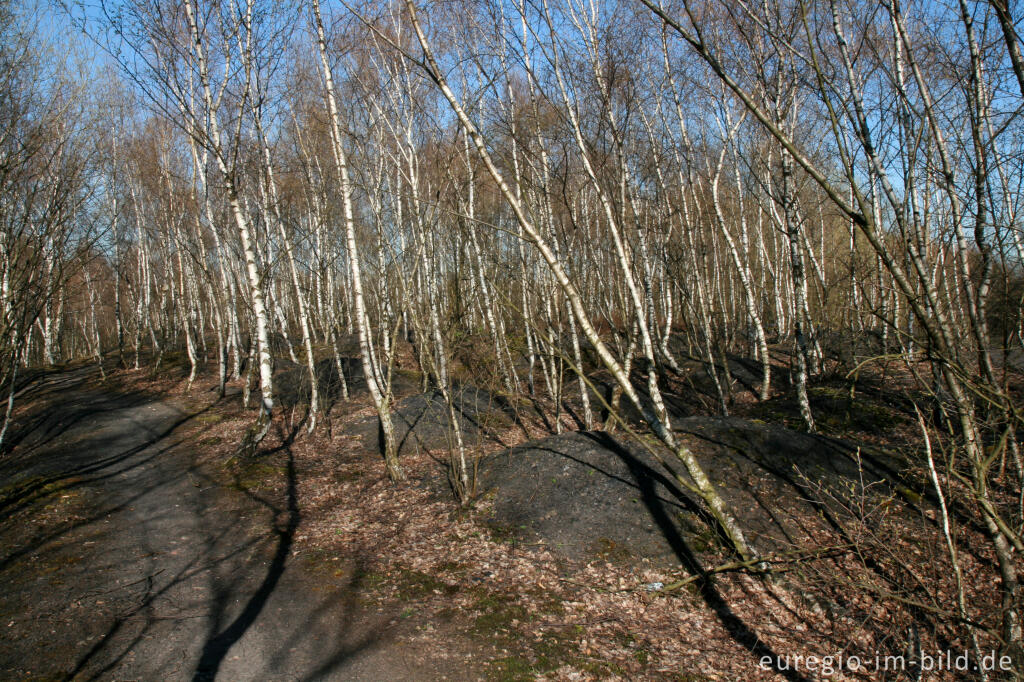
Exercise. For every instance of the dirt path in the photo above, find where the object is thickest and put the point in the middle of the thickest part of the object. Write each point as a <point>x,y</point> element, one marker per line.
<point>122,558</point>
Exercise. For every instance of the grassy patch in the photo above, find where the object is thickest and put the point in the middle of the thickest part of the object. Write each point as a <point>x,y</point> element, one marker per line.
<point>511,669</point>
<point>497,613</point>
<point>544,655</point>
<point>417,585</point>
<point>257,474</point>
<point>526,655</point>
<point>552,651</point>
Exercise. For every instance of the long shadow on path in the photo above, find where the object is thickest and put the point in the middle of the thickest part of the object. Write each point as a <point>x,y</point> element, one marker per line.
<point>645,479</point>
<point>123,558</point>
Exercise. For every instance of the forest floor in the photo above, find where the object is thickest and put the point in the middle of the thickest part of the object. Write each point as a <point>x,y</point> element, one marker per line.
<point>129,553</point>
<point>136,544</point>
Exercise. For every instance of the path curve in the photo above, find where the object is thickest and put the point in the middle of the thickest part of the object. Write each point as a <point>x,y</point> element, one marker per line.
<point>120,558</point>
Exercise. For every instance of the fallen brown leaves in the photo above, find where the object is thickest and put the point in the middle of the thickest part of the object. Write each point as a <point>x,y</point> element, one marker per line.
<point>525,609</point>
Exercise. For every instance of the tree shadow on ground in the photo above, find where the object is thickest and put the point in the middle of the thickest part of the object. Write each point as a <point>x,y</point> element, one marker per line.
<point>218,643</point>
<point>644,478</point>
<point>587,489</point>
<point>161,569</point>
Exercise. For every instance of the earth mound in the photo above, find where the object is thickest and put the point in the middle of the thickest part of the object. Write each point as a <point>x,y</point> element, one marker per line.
<point>291,381</point>
<point>422,421</point>
<point>589,494</point>
<point>585,494</point>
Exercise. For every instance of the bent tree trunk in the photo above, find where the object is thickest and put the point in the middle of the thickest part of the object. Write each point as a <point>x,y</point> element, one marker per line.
<point>701,484</point>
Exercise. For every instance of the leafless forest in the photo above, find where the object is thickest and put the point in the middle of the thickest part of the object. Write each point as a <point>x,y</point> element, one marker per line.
<point>570,203</point>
